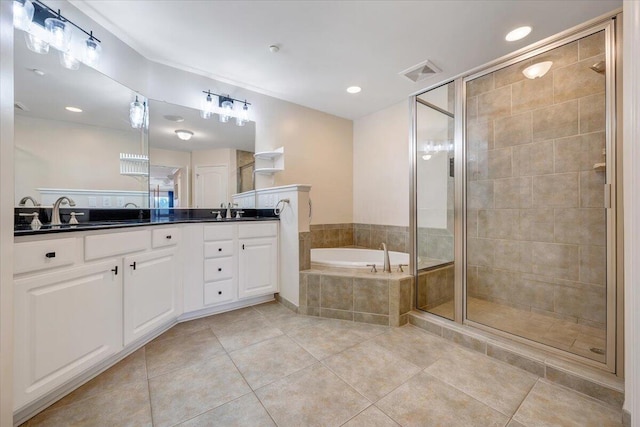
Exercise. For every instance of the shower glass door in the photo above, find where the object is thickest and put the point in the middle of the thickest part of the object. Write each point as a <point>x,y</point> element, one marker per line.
<point>434,176</point>
<point>538,166</point>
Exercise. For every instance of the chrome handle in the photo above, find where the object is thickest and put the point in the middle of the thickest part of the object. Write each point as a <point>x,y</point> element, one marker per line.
<point>373,268</point>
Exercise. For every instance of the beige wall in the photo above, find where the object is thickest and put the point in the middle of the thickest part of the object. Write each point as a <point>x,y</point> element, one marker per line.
<point>381,167</point>
<point>56,154</point>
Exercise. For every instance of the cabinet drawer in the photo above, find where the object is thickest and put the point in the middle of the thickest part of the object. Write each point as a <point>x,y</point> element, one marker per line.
<point>218,232</point>
<point>34,256</point>
<point>162,237</point>
<point>258,230</point>
<point>218,249</point>
<point>218,268</point>
<point>104,245</point>
<point>217,292</point>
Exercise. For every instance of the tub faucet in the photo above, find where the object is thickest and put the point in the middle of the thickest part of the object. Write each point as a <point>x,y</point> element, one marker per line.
<point>23,201</point>
<point>55,216</point>
<point>387,264</point>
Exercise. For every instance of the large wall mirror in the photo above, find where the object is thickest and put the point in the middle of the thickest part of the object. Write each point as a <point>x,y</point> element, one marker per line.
<point>93,156</point>
<point>197,162</point>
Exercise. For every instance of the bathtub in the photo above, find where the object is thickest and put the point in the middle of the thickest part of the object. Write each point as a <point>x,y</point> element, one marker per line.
<point>355,258</point>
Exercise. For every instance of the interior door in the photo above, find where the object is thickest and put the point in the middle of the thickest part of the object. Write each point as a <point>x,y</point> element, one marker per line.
<point>212,184</point>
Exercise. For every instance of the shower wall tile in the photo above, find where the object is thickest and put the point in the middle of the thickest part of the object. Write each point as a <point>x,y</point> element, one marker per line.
<point>559,190</point>
<point>561,56</point>
<point>537,225</point>
<point>347,237</point>
<point>499,163</point>
<point>472,109</point>
<point>440,247</point>
<point>533,159</point>
<point>336,292</point>
<point>580,226</point>
<point>480,194</point>
<point>511,74</point>
<point>363,237</point>
<point>397,241</point>
<point>480,85</point>
<point>480,136</point>
<point>536,291</point>
<point>512,193</point>
<point>499,224</point>
<point>555,260</point>
<point>592,46</point>
<point>480,252</point>
<point>472,222</point>
<point>578,80</point>
<point>531,94</point>
<point>592,264</point>
<point>581,303</point>
<point>513,256</point>
<point>513,130</point>
<point>555,121</point>
<point>579,153</point>
<point>592,113</point>
<point>494,104</point>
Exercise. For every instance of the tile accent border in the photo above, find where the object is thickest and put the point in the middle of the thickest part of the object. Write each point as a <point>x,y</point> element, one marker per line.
<point>592,382</point>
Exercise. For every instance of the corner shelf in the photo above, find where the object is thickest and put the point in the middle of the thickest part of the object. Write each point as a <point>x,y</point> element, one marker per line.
<point>270,162</point>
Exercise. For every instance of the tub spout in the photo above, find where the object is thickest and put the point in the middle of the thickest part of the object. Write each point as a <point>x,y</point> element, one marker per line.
<point>387,264</point>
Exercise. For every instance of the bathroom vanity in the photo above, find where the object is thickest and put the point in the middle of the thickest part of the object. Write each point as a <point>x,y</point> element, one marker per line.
<point>86,298</point>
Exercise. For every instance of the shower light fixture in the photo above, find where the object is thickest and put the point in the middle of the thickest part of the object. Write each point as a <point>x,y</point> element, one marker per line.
<point>184,134</point>
<point>537,70</point>
<point>137,112</point>
<point>22,14</point>
<point>225,109</point>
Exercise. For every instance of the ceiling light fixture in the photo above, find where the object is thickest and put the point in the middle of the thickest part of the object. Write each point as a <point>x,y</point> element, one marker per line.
<point>537,70</point>
<point>137,112</point>
<point>73,109</point>
<point>225,109</point>
<point>184,134</point>
<point>354,89</point>
<point>518,34</point>
<point>52,28</point>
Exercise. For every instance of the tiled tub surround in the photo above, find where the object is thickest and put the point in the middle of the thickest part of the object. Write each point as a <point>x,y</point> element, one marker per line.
<point>358,295</point>
<point>368,236</point>
<point>536,217</point>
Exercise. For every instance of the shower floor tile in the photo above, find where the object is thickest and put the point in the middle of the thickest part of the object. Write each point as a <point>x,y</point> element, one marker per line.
<point>373,376</point>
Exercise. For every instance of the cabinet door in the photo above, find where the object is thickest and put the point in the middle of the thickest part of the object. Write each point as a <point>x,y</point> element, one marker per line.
<point>65,323</point>
<point>150,292</point>
<point>258,267</point>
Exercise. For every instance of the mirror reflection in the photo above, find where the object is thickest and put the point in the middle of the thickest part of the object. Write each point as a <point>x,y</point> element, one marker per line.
<point>72,129</point>
<point>196,162</point>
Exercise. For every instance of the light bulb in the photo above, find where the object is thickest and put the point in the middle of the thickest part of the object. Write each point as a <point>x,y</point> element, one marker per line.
<point>136,114</point>
<point>537,70</point>
<point>184,134</point>
<point>22,14</point>
<point>60,33</point>
<point>206,110</point>
<point>227,106</point>
<point>68,61</point>
<point>243,118</point>
<point>92,50</point>
<point>36,44</point>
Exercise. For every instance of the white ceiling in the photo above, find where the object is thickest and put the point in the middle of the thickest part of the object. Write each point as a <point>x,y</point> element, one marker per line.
<point>326,46</point>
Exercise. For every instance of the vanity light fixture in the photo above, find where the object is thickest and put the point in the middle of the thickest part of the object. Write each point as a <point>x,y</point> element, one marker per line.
<point>36,44</point>
<point>518,34</point>
<point>137,112</point>
<point>59,33</point>
<point>225,109</point>
<point>73,109</point>
<point>184,134</point>
<point>537,70</point>
<point>92,50</point>
<point>354,89</point>
<point>22,14</point>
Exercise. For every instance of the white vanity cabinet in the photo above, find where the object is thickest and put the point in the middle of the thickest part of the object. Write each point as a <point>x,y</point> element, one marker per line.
<point>66,321</point>
<point>258,259</point>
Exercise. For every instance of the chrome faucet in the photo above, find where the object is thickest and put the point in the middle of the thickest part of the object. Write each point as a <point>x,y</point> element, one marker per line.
<point>387,264</point>
<point>55,215</point>
<point>23,201</point>
<point>228,208</point>
<point>132,204</point>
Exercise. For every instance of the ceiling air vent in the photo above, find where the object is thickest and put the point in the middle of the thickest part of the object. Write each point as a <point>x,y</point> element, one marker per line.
<point>421,71</point>
<point>21,106</point>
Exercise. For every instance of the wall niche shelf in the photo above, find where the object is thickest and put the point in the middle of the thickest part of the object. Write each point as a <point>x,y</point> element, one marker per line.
<point>269,162</point>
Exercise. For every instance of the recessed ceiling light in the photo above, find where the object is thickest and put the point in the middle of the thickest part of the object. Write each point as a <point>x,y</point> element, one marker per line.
<point>354,89</point>
<point>172,118</point>
<point>73,109</point>
<point>184,134</point>
<point>517,34</point>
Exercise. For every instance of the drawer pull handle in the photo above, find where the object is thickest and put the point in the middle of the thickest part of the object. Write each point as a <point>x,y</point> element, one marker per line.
<point>115,270</point>
<point>50,254</point>
<point>219,292</point>
<point>219,249</point>
<point>133,265</point>
<point>169,237</point>
<point>219,269</point>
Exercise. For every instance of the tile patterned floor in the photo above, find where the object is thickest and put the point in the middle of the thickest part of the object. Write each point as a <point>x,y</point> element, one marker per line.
<point>560,333</point>
<point>265,366</point>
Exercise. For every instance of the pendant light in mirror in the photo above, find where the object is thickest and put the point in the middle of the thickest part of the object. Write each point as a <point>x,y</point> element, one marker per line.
<point>59,33</point>
<point>206,110</point>
<point>137,112</point>
<point>22,14</point>
<point>243,118</point>
<point>92,51</point>
<point>36,44</point>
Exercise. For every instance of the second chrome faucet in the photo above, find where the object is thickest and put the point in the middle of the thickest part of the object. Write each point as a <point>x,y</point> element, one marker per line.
<point>387,264</point>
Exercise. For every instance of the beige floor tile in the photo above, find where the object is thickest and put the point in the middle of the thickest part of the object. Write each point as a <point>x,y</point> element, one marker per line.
<point>127,405</point>
<point>246,411</point>
<point>371,369</point>
<point>415,345</point>
<point>233,316</point>
<point>290,322</point>
<point>322,341</point>
<point>272,309</point>
<point>371,417</point>
<point>427,401</point>
<point>183,394</point>
<point>243,333</point>
<point>514,423</point>
<point>552,405</point>
<point>185,328</point>
<point>270,360</point>
<point>496,384</point>
<point>131,369</point>
<point>175,353</point>
<point>314,396</point>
